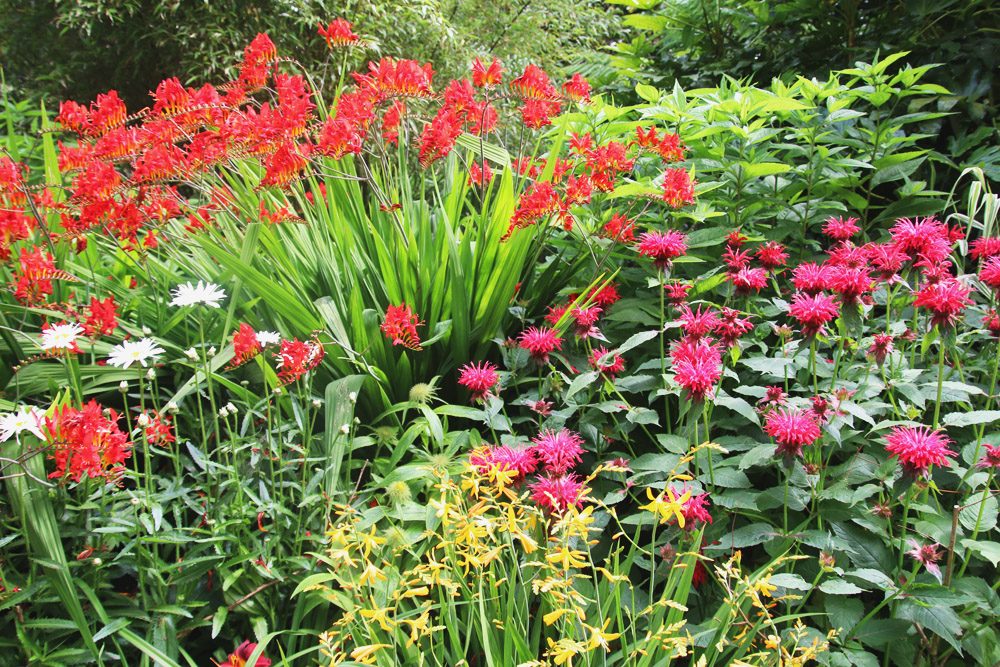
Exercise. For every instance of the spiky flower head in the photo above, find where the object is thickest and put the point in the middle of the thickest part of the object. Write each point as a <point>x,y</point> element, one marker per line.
<point>918,448</point>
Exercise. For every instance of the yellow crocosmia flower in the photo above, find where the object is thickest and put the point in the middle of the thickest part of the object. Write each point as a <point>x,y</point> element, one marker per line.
<point>772,642</point>
<point>415,592</point>
<point>600,637</point>
<point>369,541</point>
<point>764,586</point>
<point>554,616</point>
<point>568,558</point>
<point>562,651</point>
<point>667,504</point>
<point>418,628</point>
<point>380,616</point>
<point>612,577</point>
<point>366,654</point>
<point>371,575</point>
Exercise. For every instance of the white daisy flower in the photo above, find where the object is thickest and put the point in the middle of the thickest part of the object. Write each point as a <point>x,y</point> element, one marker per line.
<point>265,338</point>
<point>208,294</point>
<point>129,351</point>
<point>61,336</point>
<point>25,419</point>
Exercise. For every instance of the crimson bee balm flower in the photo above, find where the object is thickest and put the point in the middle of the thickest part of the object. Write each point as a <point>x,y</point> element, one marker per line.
<point>479,379</point>
<point>539,342</point>
<point>663,247</point>
<point>918,448</point>
<point>792,429</point>
<point>946,300</point>
<point>812,312</point>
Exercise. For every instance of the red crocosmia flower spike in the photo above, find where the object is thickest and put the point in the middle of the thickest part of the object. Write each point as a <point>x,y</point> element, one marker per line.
<point>577,89</point>
<point>245,346</point>
<point>678,188</point>
<point>841,229</point>
<point>102,317</point>
<point>946,300</point>
<point>285,166</point>
<point>580,145</point>
<point>400,327</point>
<point>812,311</point>
<point>396,78</point>
<point>338,33</point>
<point>606,363</point>
<point>85,442</point>
<point>534,84</point>
<point>662,247</point>
<point>33,279</point>
<point>480,177</point>
<point>479,379</point>
<point>242,654</point>
<point>439,135</point>
<point>792,429</point>
<point>918,448</point>
<point>540,201</point>
<point>391,121</point>
<point>539,342</point>
<point>296,357</point>
<point>619,228</point>
<point>487,77</point>
<point>556,493</point>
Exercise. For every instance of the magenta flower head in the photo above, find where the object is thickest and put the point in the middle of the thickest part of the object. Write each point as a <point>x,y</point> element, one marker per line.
<point>928,555</point>
<point>812,311</point>
<point>556,493</point>
<point>792,429</point>
<point>918,448</point>
<point>558,450</point>
<point>539,342</point>
<point>946,300</point>
<point>663,247</point>
<point>479,379</point>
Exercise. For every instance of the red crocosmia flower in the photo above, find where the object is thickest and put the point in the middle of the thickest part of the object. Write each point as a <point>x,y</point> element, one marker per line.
<point>677,292</point>
<point>479,176</point>
<point>731,327</point>
<point>391,120</point>
<point>534,84</point>
<point>242,654</point>
<point>678,188</point>
<point>338,33</point>
<point>85,442</point>
<point>539,342</point>
<point>285,166</point>
<point>579,190</point>
<point>33,280</point>
<point>102,317</point>
<point>990,458</point>
<point>558,451</point>
<point>540,201</point>
<point>400,327</point>
<point>792,429</point>
<point>990,273</point>
<point>810,278</point>
<point>577,89</point>
<point>840,228</point>
<point>483,76</point>
<point>918,448</point>
<point>557,493</point>
<point>663,247</point>
<point>245,346</point>
<point>606,363</point>
<point>159,431</point>
<point>580,145</point>
<point>606,162</point>
<point>697,324</point>
<point>812,312</point>
<point>396,78</point>
<point>946,300</point>
<point>881,347</point>
<point>479,379</point>
<point>536,114</point>
<point>697,367</point>
<point>748,280</point>
<point>669,147</point>
<point>73,116</point>
<point>296,357</point>
<point>619,228</point>
<point>772,255</point>
<point>985,247</point>
<point>926,554</point>
<point>991,321</point>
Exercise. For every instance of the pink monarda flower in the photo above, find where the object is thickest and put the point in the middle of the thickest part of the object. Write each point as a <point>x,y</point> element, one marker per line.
<point>773,397</point>
<point>663,247</point>
<point>697,366</point>
<point>748,280</point>
<point>990,458</point>
<point>518,460</point>
<point>735,259</point>
<point>841,229</point>
<point>918,448</point>
<point>946,300</point>
<point>792,429</point>
<point>558,450</point>
<point>539,342</point>
<point>990,273</point>
<point>985,247</point>
<point>887,259</point>
<point>611,367</point>
<point>849,282</point>
<point>810,277</point>
<point>926,237</point>
<point>928,555</point>
<point>820,409</point>
<point>772,255</point>
<point>731,327</point>
<point>697,324</point>
<point>479,379</point>
<point>812,312</point>
<point>881,347</point>
<point>676,292</point>
<point>555,494</point>
<point>991,321</point>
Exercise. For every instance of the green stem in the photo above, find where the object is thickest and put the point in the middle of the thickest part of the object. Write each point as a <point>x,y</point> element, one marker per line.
<point>937,404</point>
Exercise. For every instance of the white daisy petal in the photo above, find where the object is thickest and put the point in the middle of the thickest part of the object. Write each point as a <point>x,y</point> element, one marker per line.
<point>130,351</point>
<point>61,336</point>
<point>25,419</point>
<point>208,294</point>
